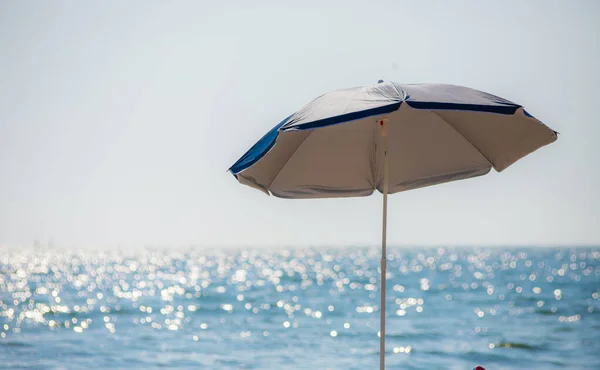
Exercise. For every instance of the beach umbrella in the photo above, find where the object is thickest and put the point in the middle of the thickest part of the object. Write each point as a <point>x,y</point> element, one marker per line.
<point>389,137</point>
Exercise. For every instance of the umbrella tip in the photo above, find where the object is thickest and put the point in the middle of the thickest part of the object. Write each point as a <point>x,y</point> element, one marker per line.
<point>380,81</point>
<point>479,368</point>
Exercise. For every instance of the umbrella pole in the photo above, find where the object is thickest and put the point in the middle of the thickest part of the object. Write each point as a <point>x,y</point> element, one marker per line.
<point>383,124</point>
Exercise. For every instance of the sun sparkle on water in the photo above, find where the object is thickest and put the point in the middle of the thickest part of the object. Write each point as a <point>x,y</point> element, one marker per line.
<point>472,299</point>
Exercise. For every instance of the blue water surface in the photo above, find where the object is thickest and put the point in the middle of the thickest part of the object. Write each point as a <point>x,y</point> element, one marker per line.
<point>304,308</point>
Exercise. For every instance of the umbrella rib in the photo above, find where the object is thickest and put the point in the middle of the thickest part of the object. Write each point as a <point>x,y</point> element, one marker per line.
<point>400,96</point>
<point>374,168</point>
<point>290,157</point>
<point>351,100</point>
<point>464,137</point>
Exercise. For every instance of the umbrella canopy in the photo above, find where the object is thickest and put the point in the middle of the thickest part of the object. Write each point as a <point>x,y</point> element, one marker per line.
<point>332,146</point>
<point>390,137</point>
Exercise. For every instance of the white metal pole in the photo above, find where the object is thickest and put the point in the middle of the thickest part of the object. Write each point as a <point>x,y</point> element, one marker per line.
<point>383,125</point>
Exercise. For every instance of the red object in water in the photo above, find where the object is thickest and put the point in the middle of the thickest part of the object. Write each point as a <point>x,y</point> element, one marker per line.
<point>479,368</point>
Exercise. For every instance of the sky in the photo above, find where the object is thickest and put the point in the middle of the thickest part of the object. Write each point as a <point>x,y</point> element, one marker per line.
<point>119,120</point>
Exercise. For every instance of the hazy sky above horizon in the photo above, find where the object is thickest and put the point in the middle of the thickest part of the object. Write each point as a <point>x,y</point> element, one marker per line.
<point>118,120</point>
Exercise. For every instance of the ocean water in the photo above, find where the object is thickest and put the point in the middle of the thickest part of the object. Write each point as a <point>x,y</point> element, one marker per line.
<point>312,308</point>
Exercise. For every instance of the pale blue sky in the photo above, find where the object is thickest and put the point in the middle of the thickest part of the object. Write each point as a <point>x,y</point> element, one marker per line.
<point>118,119</point>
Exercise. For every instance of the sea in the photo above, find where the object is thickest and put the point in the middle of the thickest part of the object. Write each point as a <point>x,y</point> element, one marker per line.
<point>299,308</point>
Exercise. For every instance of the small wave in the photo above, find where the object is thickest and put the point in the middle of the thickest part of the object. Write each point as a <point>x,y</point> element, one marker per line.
<point>15,344</point>
<point>545,312</point>
<point>564,329</point>
<point>413,335</point>
<point>516,345</point>
<point>485,357</point>
<point>473,356</point>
